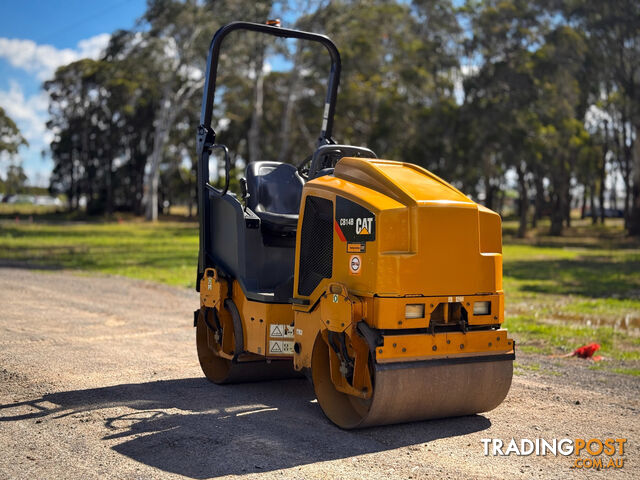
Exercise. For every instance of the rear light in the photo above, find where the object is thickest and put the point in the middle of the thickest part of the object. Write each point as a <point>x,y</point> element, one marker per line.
<point>482,308</point>
<point>414,310</point>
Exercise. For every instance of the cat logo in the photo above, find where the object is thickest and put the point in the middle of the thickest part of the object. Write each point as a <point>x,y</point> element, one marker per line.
<point>363,226</point>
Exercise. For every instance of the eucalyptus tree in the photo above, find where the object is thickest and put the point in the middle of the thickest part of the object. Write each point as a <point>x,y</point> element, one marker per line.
<point>613,32</point>
<point>10,137</point>
<point>10,141</point>
<point>501,93</point>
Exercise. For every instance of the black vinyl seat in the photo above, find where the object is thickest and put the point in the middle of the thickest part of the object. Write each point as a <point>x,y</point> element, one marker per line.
<point>275,190</point>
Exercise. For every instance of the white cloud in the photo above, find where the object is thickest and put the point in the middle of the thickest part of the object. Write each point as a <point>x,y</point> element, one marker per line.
<point>93,47</point>
<point>30,114</point>
<point>42,60</point>
<point>29,111</point>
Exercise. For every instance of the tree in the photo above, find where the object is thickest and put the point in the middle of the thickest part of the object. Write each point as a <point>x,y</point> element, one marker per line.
<point>398,67</point>
<point>10,137</point>
<point>561,107</point>
<point>500,96</point>
<point>16,179</point>
<point>614,37</point>
<point>10,141</point>
<point>532,73</point>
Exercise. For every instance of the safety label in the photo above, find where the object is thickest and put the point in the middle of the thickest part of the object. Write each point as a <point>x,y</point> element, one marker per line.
<point>356,247</point>
<point>280,330</point>
<point>355,264</point>
<point>281,347</point>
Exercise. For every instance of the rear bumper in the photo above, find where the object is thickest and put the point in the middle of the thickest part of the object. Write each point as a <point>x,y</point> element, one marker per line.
<point>445,346</point>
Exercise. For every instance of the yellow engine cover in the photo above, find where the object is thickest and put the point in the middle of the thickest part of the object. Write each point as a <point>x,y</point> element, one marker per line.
<point>414,234</point>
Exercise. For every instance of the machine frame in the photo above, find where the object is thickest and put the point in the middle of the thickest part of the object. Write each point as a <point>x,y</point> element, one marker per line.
<point>292,273</point>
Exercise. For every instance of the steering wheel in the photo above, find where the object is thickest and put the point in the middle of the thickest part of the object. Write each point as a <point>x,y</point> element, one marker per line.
<point>303,167</point>
<point>326,156</point>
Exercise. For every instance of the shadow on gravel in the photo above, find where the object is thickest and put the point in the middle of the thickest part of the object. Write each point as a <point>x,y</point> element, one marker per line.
<point>8,263</point>
<point>194,428</point>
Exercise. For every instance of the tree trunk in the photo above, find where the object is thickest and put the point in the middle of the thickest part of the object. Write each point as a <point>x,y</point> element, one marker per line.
<point>539,202</point>
<point>256,117</point>
<point>557,213</point>
<point>500,202</point>
<point>84,159</point>
<point>71,195</point>
<point>190,192</point>
<point>558,201</point>
<point>524,201</point>
<point>168,112</point>
<point>592,204</point>
<point>152,179</point>
<point>627,203</point>
<point>627,172</point>
<point>489,194</point>
<point>109,185</point>
<point>624,154</point>
<point>294,87</point>
<point>634,218</point>
<point>603,171</point>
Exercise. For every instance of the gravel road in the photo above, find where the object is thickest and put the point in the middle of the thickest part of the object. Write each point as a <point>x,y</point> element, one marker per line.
<point>99,379</point>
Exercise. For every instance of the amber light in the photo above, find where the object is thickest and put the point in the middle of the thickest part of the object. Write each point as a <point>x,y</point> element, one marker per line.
<point>414,310</point>
<point>482,308</point>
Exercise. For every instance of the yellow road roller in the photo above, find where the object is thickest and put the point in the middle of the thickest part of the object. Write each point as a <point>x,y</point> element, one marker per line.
<point>375,278</point>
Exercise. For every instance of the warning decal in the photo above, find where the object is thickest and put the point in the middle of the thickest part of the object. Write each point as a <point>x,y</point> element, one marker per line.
<point>281,347</point>
<point>356,247</point>
<point>280,330</point>
<point>354,223</point>
<point>355,264</point>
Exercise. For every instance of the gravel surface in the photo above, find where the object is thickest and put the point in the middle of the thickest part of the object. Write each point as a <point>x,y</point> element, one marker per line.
<point>99,379</point>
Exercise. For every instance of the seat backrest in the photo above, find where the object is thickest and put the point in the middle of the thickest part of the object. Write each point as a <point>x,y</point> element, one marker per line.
<point>274,187</point>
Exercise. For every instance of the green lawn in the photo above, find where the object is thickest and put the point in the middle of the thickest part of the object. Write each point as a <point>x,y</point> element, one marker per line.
<point>563,292</point>
<point>560,292</point>
<point>162,252</point>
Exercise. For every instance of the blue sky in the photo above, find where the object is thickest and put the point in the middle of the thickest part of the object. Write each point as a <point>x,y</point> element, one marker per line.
<point>35,38</point>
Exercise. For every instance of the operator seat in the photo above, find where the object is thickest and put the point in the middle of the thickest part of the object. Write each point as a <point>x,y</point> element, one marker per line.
<point>275,190</point>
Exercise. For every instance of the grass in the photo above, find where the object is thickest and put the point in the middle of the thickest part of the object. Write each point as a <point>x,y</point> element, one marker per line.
<point>561,292</point>
<point>551,337</point>
<point>564,292</point>
<point>12,210</point>
<point>161,252</point>
<point>635,372</point>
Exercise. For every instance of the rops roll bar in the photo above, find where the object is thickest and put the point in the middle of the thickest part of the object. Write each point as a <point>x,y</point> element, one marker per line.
<point>206,136</point>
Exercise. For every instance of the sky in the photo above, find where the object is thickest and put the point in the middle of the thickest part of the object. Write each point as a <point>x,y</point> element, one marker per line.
<point>36,37</point>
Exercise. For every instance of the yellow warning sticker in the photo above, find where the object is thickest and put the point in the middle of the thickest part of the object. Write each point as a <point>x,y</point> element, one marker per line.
<point>280,347</point>
<point>280,330</point>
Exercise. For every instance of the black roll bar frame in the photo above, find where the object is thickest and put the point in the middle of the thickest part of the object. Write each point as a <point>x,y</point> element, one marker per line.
<point>206,136</point>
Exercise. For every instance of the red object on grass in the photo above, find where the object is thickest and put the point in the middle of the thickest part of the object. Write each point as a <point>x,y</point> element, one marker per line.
<point>586,351</point>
